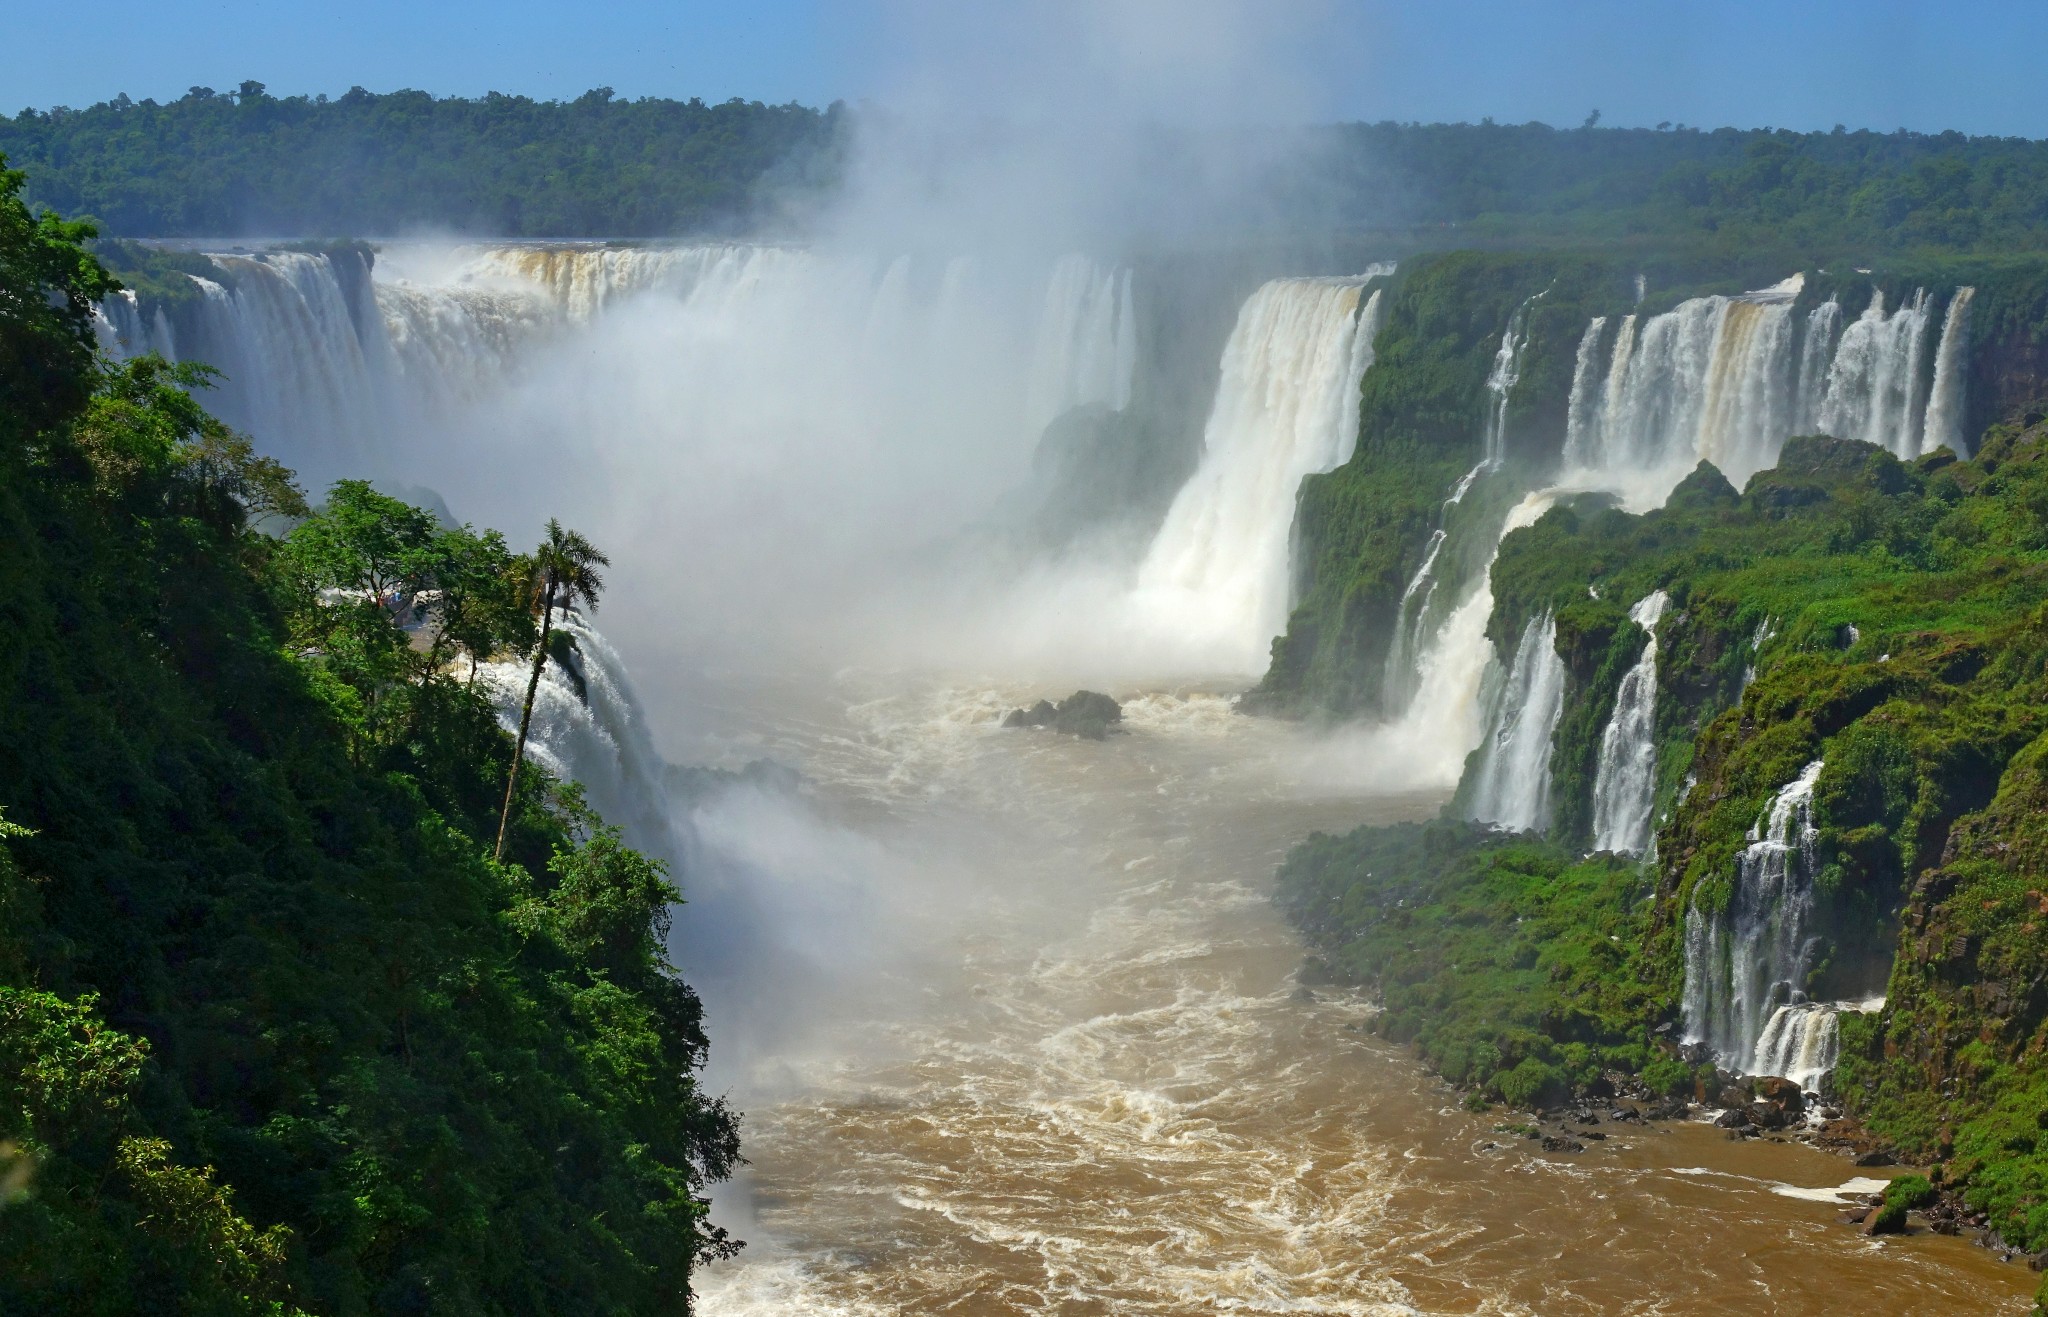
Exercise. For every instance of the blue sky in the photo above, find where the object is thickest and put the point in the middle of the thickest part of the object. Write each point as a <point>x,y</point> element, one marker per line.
<point>1879,64</point>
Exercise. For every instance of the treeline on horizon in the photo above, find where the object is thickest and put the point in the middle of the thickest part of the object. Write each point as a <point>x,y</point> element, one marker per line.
<point>246,163</point>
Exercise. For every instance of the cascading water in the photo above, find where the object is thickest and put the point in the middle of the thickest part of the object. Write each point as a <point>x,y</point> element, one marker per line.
<point>1511,783</point>
<point>592,731</point>
<point>1744,964</point>
<point>1951,366</point>
<point>1709,378</point>
<point>1502,379</point>
<point>1729,379</point>
<point>1086,349</point>
<point>1799,1044</point>
<point>1874,390</point>
<point>1286,408</point>
<point>1625,783</point>
<point>1415,616</point>
<point>333,364</point>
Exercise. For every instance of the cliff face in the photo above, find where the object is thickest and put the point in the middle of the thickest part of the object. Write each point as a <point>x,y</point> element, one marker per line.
<point>1847,777</point>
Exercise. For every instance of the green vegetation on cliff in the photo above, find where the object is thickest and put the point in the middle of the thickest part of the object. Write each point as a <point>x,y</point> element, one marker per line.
<point>1889,619</point>
<point>276,1034</point>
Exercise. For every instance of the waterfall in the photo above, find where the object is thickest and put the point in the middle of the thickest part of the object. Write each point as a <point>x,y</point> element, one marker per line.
<point>1582,410</point>
<point>1625,784</point>
<point>1511,783</point>
<point>334,364</point>
<point>1798,1044</point>
<point>1874,383</point>
<point>1743,964</point>
<point>1286,408</point>
<point>1414,616</point>
<point>1729,379</point>
<point>1086,348</point>
<point>1452,675</point>
<point>595,735</point>
<point>1823,328</point>
<point>1502,379</point>
<point>1712,378</point>
<point>1945,399</point>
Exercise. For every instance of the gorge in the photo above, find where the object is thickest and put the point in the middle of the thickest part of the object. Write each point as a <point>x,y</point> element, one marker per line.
<point>1626,653</point>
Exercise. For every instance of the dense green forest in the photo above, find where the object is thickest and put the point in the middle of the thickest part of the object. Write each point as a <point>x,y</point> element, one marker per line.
<point>277,1033</point>
<point>248,163</point>
<point>245,162</point>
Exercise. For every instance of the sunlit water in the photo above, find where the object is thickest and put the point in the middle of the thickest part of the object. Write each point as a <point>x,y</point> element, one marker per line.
<point>1065,1067</point>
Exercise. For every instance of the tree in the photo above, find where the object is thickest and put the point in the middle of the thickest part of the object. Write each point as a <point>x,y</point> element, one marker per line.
<point>564,571</point>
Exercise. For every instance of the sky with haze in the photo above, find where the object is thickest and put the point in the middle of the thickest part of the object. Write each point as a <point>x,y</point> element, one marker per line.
<point>1883,64</point>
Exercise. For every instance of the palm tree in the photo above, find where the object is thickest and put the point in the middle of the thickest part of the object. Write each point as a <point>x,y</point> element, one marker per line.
<point>564,571</point>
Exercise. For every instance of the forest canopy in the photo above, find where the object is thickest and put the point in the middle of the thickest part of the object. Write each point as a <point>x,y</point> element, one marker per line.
<point>246,163</point>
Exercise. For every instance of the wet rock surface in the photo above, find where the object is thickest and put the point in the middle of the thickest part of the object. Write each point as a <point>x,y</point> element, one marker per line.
<point>1090,715</point>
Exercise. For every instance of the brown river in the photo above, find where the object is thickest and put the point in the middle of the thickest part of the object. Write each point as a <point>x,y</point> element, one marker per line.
<point>1031,1043</point>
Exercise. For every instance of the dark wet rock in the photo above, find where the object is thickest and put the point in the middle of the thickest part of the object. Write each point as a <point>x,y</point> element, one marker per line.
<point>1668,1109</point>
<point>1876,1157</point>
<point>1040,714</point>
<point>1767,1115</point>
<point>1855,1216</point>
<point>1559,1143</point>
<point>1602,1087</point>
<point>1592,1134</point>
<point>1090,715</point>
<point>1732,1095</point>
<point>1620,1114</point>
<point>1782,1094</point>
<point>1734,1118</point>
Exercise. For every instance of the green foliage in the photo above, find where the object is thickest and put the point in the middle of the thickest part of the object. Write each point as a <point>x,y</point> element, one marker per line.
<point>275,1032</point>
<point>1669,1077</point>
<point>1510,965</point>
<point>220,163</point>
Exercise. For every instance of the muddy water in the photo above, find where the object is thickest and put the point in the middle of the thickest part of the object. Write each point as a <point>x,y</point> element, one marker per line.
<point>1084,1080</point>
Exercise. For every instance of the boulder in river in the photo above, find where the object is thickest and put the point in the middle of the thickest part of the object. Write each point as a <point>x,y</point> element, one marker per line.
<point>1090,715</point>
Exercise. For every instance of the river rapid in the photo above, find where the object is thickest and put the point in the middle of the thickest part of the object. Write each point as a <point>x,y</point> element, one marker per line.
<point>1028,1040</point>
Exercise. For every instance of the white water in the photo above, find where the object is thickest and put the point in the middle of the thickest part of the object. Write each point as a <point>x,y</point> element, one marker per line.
<point>1286,407</point>
<point>341,370</point>
<point>1951,370</point>
<point>1708,379</point>
<point>1729,379</point>
<point>1625,783</point>
<point>1745,962</point>
<point>1415,616</point>
<point>1511,781</point>
<point>1874,388</point>
<point>1087,344</point>
<point>1502,379</point>
<point>1798,1044</point>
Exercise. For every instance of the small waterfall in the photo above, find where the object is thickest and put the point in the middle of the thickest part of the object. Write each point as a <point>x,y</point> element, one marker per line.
<point>1441,723</point>
<point>1086,348</point>
<point>1798,1044</point>
<point>1945,399</point>
<point>1502,379</point>
<point>1745,963</point>
<point>1625,784</point>
<point>1874,383</point>
<point>1286,408</point>
<point>595,735</point>
<point>1511,786</point>
<point>1415,617</point>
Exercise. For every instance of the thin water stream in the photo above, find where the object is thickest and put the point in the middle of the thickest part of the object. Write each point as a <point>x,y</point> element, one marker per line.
<point>1096,1087</point>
